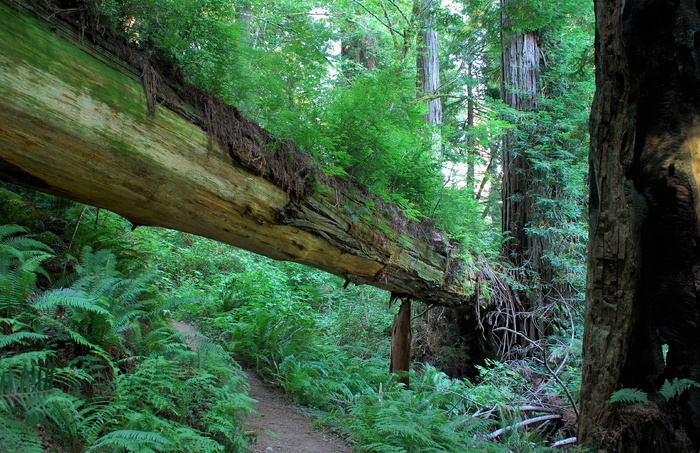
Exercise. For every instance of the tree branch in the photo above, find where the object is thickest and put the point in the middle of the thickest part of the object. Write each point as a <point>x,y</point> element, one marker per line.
<point>529,421</point>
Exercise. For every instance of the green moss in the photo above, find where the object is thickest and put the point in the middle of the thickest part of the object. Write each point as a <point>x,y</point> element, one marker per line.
<point>26,39</point>
<point>30,49</point>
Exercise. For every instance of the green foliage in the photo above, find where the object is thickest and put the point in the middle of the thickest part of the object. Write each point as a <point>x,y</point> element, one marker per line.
<point>399,420</point>
<point>123,379</point>
<point>60,351</point>
<point>21,249</point>
<point>668,390</point>
<point>672,389</point>
<point>20,338</point>
<point>279,62</point>
<point>201,36</point>
<point>20,261</point>
<point>628,395</point>
<point>377,135</point>
<point>168,394</point>
<point>328,347</point>
<point>131,440</point>
<point>18,436</point>
<point>25,389</point>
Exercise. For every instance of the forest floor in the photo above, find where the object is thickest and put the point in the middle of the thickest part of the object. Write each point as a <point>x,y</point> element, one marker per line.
<point>280,426</point>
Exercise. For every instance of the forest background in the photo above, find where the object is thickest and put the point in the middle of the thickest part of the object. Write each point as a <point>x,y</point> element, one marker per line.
<point>87,299</point>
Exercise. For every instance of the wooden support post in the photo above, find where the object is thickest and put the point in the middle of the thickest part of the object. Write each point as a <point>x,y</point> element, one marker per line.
<point>401,336</point>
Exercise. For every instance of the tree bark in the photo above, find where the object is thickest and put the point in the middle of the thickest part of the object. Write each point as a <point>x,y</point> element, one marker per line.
<point>401,336</point>
<point>519,90</point>
<point>644,261</point>
<point>472,152</point>
<point>428,63</point>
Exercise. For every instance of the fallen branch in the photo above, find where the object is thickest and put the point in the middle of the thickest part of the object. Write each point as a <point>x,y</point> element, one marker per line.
<point>567,441</point>
<point>552,373</point>
<point>529,421</point>
<point>486,414</point>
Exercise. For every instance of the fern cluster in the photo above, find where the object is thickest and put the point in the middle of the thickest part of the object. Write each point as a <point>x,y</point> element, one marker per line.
<point>93,361</point>
<point>669,390</point>
<point>328,348</point>
<point>96,366</point>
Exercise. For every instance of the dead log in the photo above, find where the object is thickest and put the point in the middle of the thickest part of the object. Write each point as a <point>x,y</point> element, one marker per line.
<point>74,122</point>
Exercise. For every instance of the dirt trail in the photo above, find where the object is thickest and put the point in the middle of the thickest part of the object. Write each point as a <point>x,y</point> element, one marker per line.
<point>292,430</point>
<point>280,428</point>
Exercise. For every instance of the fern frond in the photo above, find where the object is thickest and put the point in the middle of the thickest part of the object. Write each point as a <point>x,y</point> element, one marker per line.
<point>10,230</point>
<point>154,384</point>
<point>381,447</point>
<point>94,348</point>
<point>67,422</point>
<point>208,351</point>
<point>132,440</point>
<point>96,414</point>
<point>188,439</point>
<point>69,298</point>
<point>676,387</point>
<point>18,436</point>
<point>33,264</point>
<point>15,323</point>
<point>174,303</point>
<point>72,377</point>
<point>16,286</point>
<point>21,251</point>
<point>629,395</point>
<point>26,388</point>
<point>101,263</point>
<point>131,289</point>
<point>25,245</point>
<point>21,338</point>
<point>29,358</point>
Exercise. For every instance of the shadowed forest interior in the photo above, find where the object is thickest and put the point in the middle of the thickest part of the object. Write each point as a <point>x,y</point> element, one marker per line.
<point>414,179</point>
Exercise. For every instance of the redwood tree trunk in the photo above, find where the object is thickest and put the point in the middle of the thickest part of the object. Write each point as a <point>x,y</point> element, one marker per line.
<point>519,90</point>
<point>471,150</point>
<point>427,61</point>
<point>428,67</point>
<point>644,262</point>
<point>520,70</point>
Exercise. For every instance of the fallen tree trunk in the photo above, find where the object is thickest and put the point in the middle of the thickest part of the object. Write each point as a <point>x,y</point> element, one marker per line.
<point>74,122</point>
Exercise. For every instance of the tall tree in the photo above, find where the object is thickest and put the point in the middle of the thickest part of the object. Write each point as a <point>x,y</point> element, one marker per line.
<point>520,90</point>
<point>644,260</point>
<point>520,68</point>
<point>427,62</point>
<point>358,49</point>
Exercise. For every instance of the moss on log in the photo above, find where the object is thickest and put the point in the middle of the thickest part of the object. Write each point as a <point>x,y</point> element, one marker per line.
<point>74,122</point>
